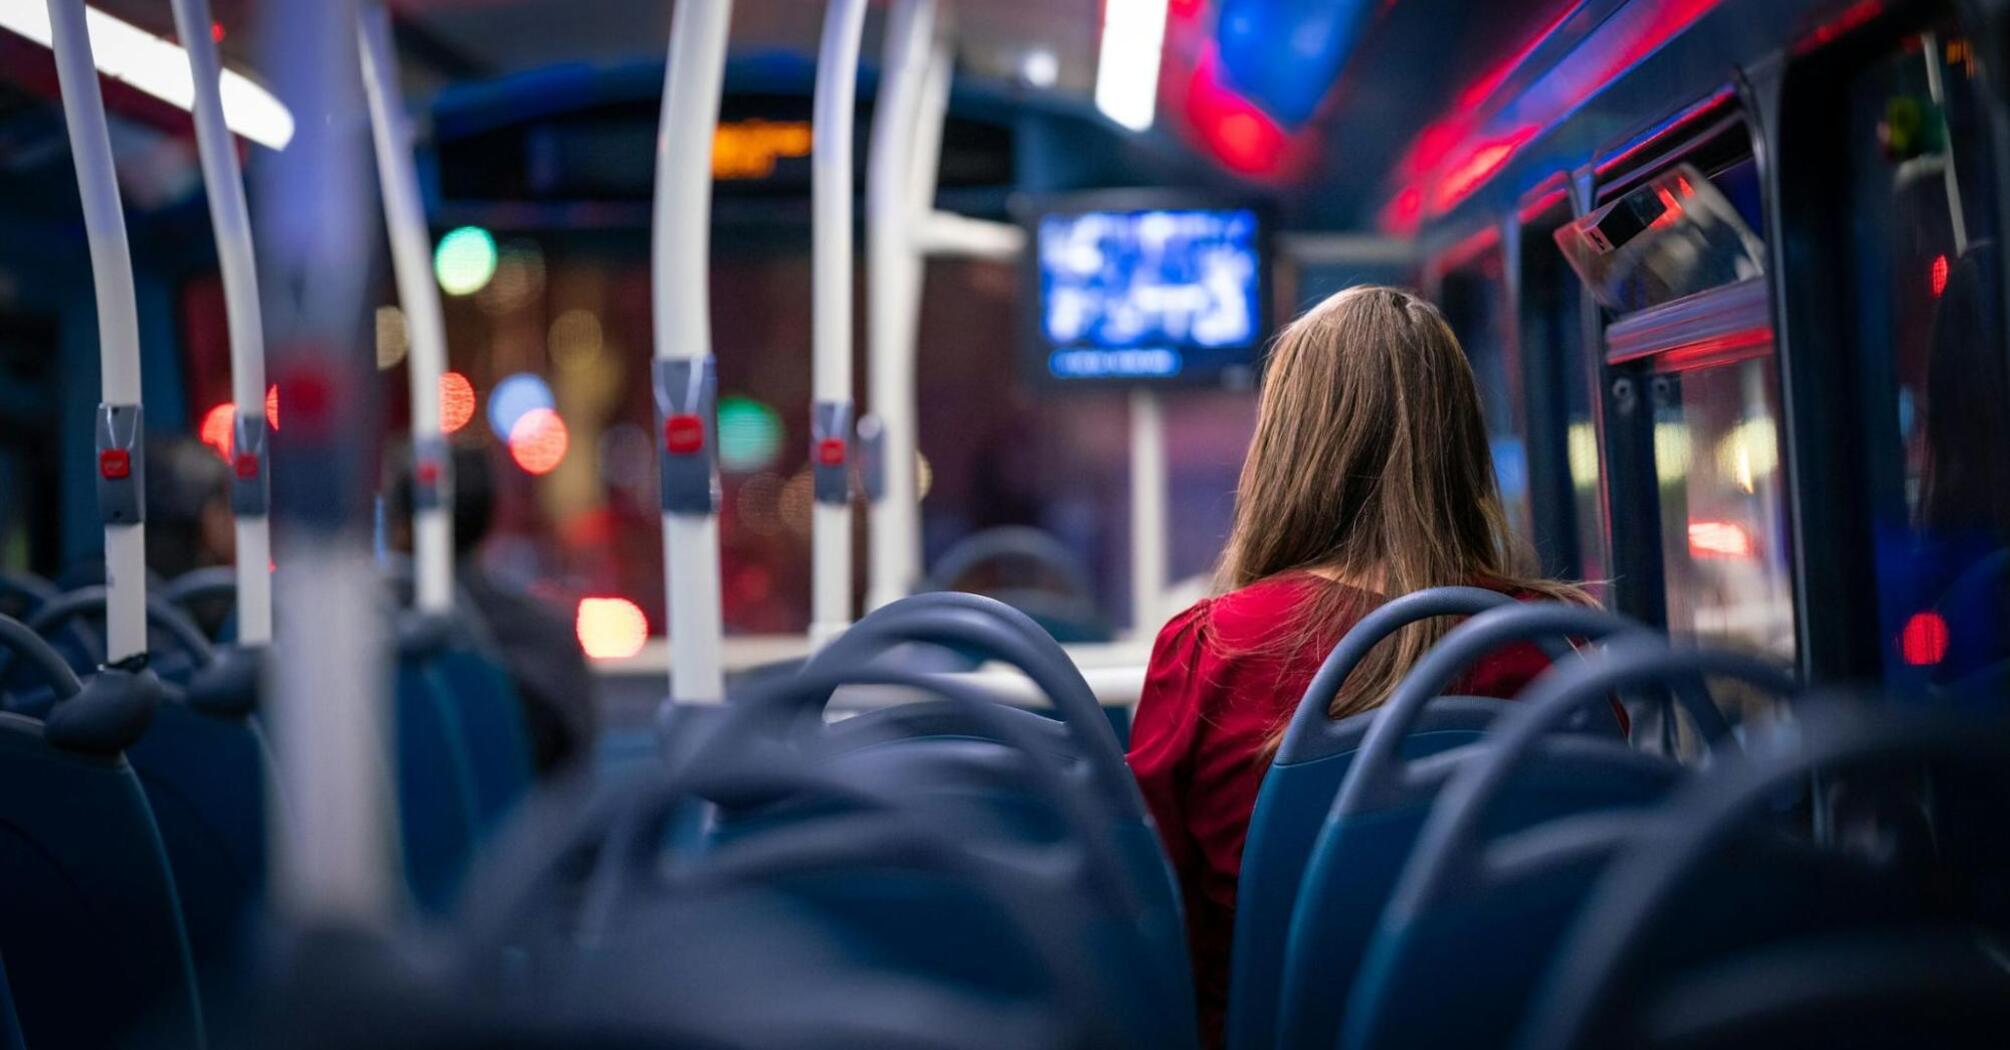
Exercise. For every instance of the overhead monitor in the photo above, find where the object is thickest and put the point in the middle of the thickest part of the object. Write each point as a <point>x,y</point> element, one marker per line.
<point>1137,290</point>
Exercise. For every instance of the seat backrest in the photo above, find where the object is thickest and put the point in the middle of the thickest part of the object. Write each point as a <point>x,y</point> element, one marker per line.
<point>1290,809</point>
<point>89,922</point>
<point>10,1025</point>
<point>1450,895</point>
<point>1684,896</point>
<point>437,809</point>
<point>1299,787</point>
<point>205,777</point>
<point>492,726</point>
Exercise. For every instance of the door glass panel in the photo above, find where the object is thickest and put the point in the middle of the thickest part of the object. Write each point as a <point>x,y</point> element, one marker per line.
<point>1725,545</point>
<point>1933,356</point>
<point>1474,300</point>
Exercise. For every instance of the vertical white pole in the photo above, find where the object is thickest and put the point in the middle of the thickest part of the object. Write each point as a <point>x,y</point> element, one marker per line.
<point>411,261</point>
<point>121,461</point>
<point>831,258</point>
<point>1148,509</point>
<point>680,286</point>
<point>230,221</point>
<point>334,854</point>
<point>891,170</point>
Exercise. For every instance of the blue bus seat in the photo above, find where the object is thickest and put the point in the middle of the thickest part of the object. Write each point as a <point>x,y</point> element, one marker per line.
<point>492,726</point>
<point>90,922</point>
<point>205,774</point>
<point>10,1024</point>
<point>437,810</point>
<point>1515,895</point>
<point>1298,790</point>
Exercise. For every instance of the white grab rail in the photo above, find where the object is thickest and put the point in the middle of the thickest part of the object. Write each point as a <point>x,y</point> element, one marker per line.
<point>891,172</point>
<point>405,222</point>
<point>121,460</point>
<point>230,221</point>
<point>831,287</point>
<point>685,382</point>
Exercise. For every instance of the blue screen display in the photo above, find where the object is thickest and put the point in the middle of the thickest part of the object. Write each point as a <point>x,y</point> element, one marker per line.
<point>1154,294</point>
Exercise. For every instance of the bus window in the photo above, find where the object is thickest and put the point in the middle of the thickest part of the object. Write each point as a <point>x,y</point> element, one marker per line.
<point>1474,299</point>
<point>1933,354</point>
<point>1561,378</point>
<point>1725,552</point>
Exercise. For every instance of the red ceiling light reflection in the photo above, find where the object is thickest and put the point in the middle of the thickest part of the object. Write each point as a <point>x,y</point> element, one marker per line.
<point>1241,136</point>
<point>610,628</point>
<point>538,441</point>
<point>1719,539</point>
<point>1923,641</point>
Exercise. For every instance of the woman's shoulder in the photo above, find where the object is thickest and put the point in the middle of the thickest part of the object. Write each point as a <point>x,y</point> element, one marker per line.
<point>1248,616</point>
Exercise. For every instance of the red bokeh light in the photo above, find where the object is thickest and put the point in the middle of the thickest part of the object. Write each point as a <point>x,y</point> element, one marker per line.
<point>1719,539</point>
<point>215,430</point>
<point>1923,641</point>
<point>457,401</point>
<point>538,441</point>
<point>272,407</point>
<point>610,628</point>
<point>1939,275</point>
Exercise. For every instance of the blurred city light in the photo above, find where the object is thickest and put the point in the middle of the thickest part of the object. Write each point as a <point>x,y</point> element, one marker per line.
<point>465,260</point>
<point>610,628</point>
<point>457,401</point>
<point>538,441</point>
<point>750,434</point>
<point>517,394</point>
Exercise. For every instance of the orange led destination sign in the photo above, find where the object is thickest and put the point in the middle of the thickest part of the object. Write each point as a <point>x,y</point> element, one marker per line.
<point>748,149</point>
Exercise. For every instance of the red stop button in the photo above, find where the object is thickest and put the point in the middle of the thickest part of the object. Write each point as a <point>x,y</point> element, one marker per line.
<point>115,463</point>
<point>247,466</point>
<point>683,434</point>
<point>830,452</point>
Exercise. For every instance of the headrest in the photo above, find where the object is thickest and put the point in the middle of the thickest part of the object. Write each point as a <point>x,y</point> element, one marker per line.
<point>422,634</point>
<point>227,686</point>
<point>111,713</point>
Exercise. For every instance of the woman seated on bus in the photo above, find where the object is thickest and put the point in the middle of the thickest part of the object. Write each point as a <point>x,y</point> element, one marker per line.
<point>1369,477</point>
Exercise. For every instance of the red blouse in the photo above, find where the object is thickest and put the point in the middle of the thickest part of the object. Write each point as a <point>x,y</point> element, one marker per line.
<point>1209,704</point>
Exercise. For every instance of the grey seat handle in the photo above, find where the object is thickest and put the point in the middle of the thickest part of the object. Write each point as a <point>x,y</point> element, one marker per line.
<point>1451,847</point>
<point>1373,779</point>
<point>18,638</point>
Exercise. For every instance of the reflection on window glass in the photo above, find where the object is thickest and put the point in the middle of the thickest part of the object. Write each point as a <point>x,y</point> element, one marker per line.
<point>1475,304</point>
<point>1934,354</point>
<point>1723,511</point>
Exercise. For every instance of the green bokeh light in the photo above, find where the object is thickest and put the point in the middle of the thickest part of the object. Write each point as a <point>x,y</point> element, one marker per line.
<point>750,434</point>
<point>465,260</point>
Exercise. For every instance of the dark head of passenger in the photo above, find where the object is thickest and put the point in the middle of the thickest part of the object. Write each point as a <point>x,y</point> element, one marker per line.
<point>1967,478</point>
<point>473,501</point>
<point>1370,466</point>
<point>189,524</point>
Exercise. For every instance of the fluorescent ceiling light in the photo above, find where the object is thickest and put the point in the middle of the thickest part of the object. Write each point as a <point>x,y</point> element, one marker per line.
<point>1127,70</point>
<point>127,53</point>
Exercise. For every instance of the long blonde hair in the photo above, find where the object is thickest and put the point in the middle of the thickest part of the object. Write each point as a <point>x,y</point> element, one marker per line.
<point>1370,464</point>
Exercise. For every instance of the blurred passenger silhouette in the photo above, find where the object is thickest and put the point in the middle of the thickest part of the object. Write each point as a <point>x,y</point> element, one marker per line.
<point>531,636</point>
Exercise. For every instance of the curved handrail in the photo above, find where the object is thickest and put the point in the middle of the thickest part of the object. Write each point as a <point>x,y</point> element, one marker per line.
<point>205,584</point>
<point>972,620</point>
<point>1369,781</point>
<point>1006,542</point>
<point>160,613</point>
<point>18,637</point>
<point>1637,889</point>
<point>1310,731</point>
<point>1450,848</point>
